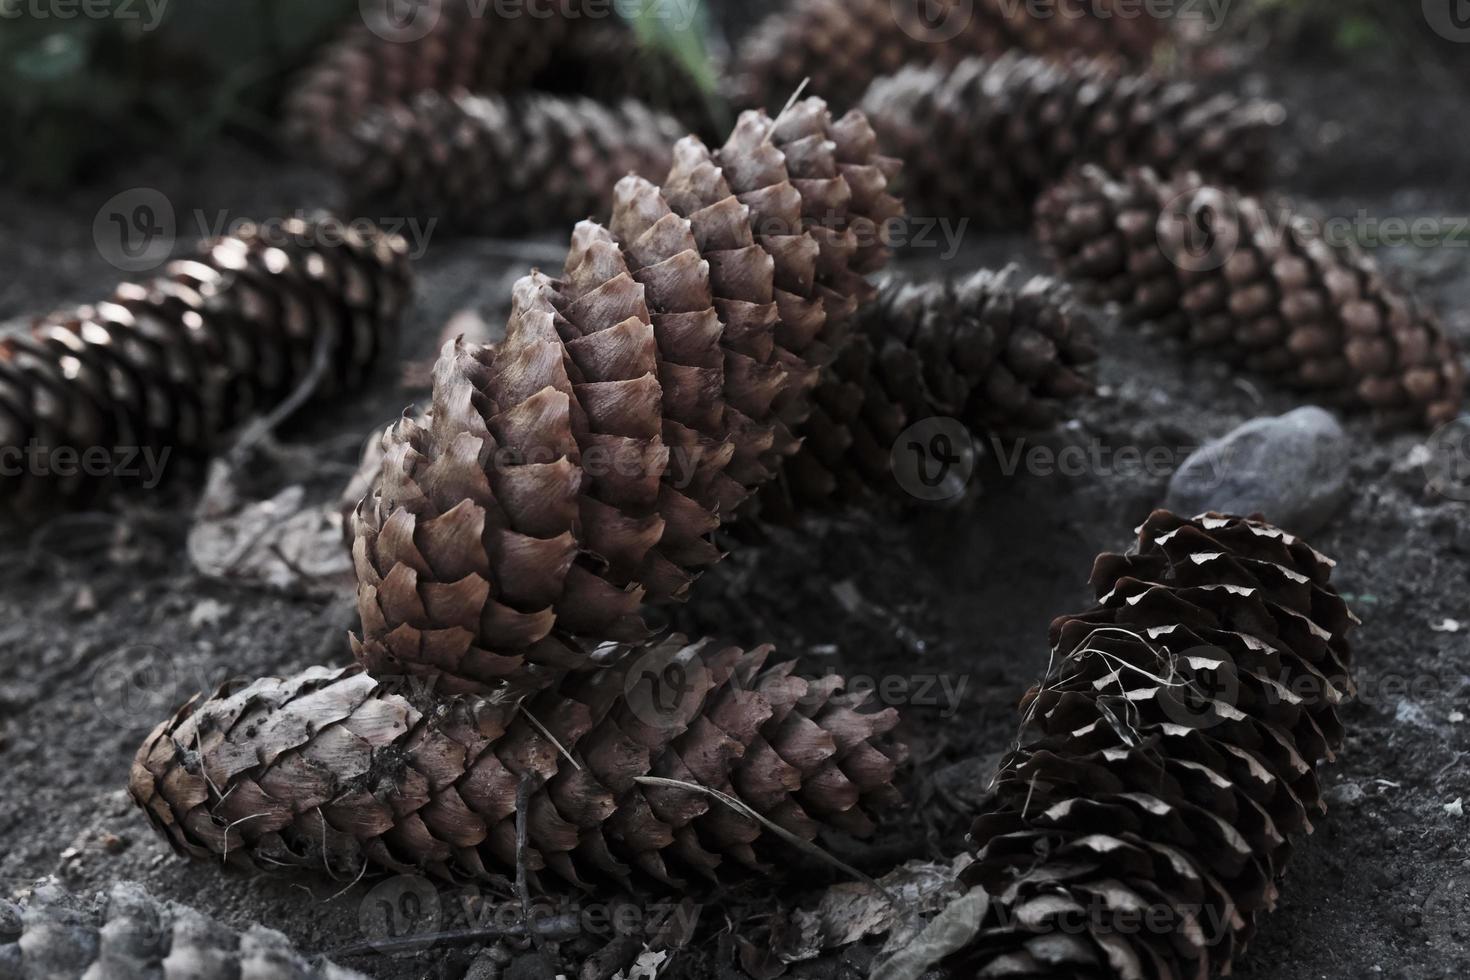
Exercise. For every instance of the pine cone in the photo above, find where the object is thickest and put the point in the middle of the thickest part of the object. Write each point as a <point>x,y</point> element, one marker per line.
<point>844,45</point>
<point>492,164</point>
<point>59,936</point>
<point>579,468</point>
<point>1270,295</point>
<point>173,363</point>
<point>983,139</point>
<point>367,66</point>
<point>1167,760</point>
<point>998,356</point>
<point>331,769</point>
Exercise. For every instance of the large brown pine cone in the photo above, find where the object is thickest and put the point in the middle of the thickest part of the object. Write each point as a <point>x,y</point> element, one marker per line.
<point>1000,356</point>
<point>1256,284</point>
<point>129,935</point>
<point>333,769</point>
<point>983,139</point>
<point>1167,761</point>
<point>173,363</point>
<point>579,468</point>
<point>844,45</point>
<point>490,164</point>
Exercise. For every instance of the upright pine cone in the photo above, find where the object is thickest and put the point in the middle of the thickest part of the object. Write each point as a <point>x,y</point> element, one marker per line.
<point>447,46</point>
<point>844,45</point>
<point>1235,279</point>
<point>999,356</point>
<point>1167,760</point>
<point>173,363</point>
<point>332,769</point>
<point>56,935</point>
<point>982,139</point>
<point>579,468</point>
<point>491,164</point>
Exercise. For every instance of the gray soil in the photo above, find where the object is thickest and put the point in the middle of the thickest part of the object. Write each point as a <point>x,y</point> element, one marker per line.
<point>102,631</point>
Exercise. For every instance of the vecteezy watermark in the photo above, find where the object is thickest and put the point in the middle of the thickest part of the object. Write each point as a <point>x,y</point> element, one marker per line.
<point>408,913</point>
<point>406,21</point>
<point>144,464</point>
<point>1200,229</point>
<point>1450,19</point>
<point>1447,466</point>
<point>149,12</point>
<point>942,691</point>
<point>933,459</point>
<point>135,230</point>
<point>1096,458</point>
<point>940,21</point>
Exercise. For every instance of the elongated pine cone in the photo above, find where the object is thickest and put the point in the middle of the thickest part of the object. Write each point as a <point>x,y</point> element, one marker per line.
<point>578,469</point>
<point>331,769</point>
<point>170,365</point>
<point>982,139</point>
<point>1167,761</point>
<point>492,164</point>
<point>446,46</point>
<point>1001,356</point>
<point>1257,285</point>
<point>844,45</point>
<point>57,935</point>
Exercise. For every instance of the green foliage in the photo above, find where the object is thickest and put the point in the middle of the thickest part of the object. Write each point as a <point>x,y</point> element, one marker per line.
<point>85,82</point>
<point>680,28</point>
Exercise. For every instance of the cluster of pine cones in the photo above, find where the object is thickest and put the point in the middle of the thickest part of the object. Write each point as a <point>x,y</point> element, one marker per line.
<point>719,340</point>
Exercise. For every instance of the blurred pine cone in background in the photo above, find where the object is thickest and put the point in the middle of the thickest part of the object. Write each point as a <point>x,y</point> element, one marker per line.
<point>1000,356</point>
<point>1256,284</point>
<point>492,164</point>
<point>1167,762</point>
<point>171,365</point>
<point>982,139</point>
<point>842,46</point>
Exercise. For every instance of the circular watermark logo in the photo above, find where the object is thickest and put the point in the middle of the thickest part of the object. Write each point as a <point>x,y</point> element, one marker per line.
<point>401,21</point>
<point>135,230</point>
<point>1204,680</point>
<point>664,687</point>
<point>933,21</point>
<point>1447,468</point>
<point>402,908</point>
<point>1199,229</point>
<point>933,459</point>
<point>135,685</point>
<point>1450,19</point>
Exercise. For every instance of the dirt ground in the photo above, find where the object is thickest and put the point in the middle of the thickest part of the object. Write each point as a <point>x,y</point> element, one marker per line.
<point>104,629</point>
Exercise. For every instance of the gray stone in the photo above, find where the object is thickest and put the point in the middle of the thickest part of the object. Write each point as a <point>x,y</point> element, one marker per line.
<point>1293,469</point>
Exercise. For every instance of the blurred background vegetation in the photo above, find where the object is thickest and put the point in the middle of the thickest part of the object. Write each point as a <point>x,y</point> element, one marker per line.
<point>85,82</point>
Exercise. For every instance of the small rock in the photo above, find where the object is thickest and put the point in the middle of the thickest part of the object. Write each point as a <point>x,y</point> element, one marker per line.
<point>208,612</point>
<point>1345,794</point>
<point>86,600</point>
<point>1455,809</point>
<point>1293,469</point>
<point>1456,717</point>
<point>1448,626</point>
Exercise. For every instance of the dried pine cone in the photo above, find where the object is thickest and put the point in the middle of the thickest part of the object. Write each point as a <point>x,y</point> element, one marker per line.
<point>173,363</point>
<point>844,45</point>
<point>332,769</point>
<point>59,936</point>
<point>579,468</point>
<point>999,356</point>
<point>467,46</point>
<point>983,139</point>
<point>1234,278</point>
<point>1166,761</point>
<point>491,164</point>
